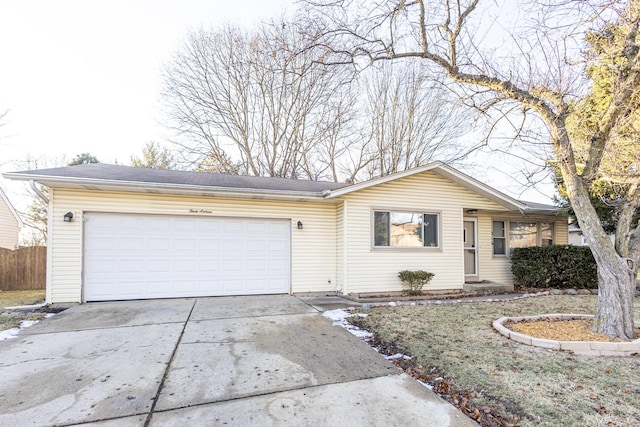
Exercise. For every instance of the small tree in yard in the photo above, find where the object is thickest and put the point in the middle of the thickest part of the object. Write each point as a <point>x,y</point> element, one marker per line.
<point>567,72</point>
<point>415,280</point>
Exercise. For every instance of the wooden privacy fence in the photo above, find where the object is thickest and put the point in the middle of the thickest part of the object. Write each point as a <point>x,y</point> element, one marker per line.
<point>23,269</point>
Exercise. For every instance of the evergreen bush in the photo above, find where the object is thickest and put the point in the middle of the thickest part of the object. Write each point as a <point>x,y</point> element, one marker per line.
<point>557,266</point>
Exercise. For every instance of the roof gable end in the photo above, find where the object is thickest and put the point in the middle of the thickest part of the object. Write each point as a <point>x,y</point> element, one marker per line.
<point>447,172</point>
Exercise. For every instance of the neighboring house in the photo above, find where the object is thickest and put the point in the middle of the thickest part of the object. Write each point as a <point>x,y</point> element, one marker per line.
<point>576,237</point>
<point>10,223</point>
<point>140,233</point>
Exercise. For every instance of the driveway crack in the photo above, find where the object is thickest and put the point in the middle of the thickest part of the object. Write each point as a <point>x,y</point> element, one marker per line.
<point>166,371</point>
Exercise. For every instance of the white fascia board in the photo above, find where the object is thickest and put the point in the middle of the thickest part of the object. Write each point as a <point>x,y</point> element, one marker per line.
<point>164,188</point>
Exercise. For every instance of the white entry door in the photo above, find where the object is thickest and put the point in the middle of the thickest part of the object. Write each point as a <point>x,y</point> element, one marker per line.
<point>470,249</point>
<point>155,256</point>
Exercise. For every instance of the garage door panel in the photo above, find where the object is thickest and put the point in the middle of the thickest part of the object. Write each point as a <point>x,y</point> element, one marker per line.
<point>159,266</point>
<point>186,244</point>
<point>233,226</point>
<point>146,256</point>
<point>231,286</point>
<point>131,244</point>
<point>131,223</point>
<point>160,288</point>
<point>210,287</point>
<point>256,265</point>
<point>133,266</point>
<point>232,265</point>
<point>186,224</point>
<point>256,245</point>
<point>212,265</point>
<point>211,226</point>
<point>233,244</point>
<point>185,266</point>
<point>158,244</point>
<point>209,245</point>
<point>101,243</point>
<point>158,224</point>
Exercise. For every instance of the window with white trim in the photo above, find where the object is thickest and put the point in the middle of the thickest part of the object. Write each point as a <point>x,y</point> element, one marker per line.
<point>405,229</point>
<point>499,238</point>
<point>508,235</point>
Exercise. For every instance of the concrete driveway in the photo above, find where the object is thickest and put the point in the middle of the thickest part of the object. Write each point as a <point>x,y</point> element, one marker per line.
<point>265,360</point>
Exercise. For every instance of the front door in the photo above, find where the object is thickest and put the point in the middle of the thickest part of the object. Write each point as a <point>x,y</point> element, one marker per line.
<point>470,249</point>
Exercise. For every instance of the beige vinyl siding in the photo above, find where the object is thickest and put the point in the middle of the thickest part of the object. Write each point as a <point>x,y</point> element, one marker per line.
<point>9,227</point>
<point>376,270</point>
<point>313,249</point>
<point>497,268</point>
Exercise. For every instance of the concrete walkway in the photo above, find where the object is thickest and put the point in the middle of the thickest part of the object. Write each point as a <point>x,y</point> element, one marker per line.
<point>264,361</point>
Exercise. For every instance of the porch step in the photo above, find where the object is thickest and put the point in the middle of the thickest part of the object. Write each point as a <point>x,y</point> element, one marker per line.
<point>487,288</point>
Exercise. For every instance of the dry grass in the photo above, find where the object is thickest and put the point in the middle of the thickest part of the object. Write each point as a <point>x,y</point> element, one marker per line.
<point>10,320</point>
<point>12,298</point>
<point>541,387</point>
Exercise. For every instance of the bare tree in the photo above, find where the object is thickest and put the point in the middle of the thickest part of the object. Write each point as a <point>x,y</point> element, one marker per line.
<point>410,119</point>
<point>257,98</point>
<point>35,214</point>
<point>509,63</point>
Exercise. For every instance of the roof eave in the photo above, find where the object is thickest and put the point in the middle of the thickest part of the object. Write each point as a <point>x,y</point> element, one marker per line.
<point>534,211</point>
<point>163,188</point>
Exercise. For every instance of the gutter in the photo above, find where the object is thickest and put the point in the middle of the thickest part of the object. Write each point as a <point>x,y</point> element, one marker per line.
<point>227,191</point>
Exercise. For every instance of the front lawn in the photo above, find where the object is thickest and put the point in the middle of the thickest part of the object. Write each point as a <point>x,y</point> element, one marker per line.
<point>10,320</point>
<point>528,385</point>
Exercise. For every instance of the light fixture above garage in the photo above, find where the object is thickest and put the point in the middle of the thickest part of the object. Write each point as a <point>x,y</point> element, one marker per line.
<point>68,217</point>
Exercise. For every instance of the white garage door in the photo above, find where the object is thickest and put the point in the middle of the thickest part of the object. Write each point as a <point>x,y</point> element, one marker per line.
<point>154,256</point>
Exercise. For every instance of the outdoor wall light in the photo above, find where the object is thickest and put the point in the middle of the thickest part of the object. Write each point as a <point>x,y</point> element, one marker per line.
<point>472,211</point>
<point>299,225</point>
<point>68,217</point>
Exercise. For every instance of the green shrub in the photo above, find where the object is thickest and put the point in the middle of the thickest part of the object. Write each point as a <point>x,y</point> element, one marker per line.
<point>558,266</point>
<point>415,280</point>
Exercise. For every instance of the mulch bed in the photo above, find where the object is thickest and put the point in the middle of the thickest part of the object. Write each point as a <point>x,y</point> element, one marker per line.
<point>561,330</point>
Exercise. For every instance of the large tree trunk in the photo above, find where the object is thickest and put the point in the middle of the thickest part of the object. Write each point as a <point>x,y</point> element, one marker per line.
<point>616,288</point>
<point>616,273</point>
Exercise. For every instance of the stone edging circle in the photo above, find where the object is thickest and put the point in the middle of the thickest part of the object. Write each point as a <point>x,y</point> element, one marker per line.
<point>589,348</point>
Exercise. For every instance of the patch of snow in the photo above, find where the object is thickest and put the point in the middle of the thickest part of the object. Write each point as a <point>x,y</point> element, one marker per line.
<point>13,332</point>
<point>429,386</point>
<point>398,356</point>
<point>339,318</point>
<point>27,323</point>
<point>336,315</point>
<point>9,333</point>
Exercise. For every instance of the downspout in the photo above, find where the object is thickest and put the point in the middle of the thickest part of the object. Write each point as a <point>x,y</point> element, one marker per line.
<point>38,192</point>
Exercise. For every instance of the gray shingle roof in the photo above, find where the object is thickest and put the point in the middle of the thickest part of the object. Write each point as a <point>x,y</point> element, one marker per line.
<point>541,207</point>
<point>107,172</point>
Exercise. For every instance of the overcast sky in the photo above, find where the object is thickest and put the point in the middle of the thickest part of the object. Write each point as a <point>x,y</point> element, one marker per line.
<point>85,76</point>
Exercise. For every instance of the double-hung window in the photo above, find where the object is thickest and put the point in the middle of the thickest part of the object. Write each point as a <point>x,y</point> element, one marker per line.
<point>405,229</point>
